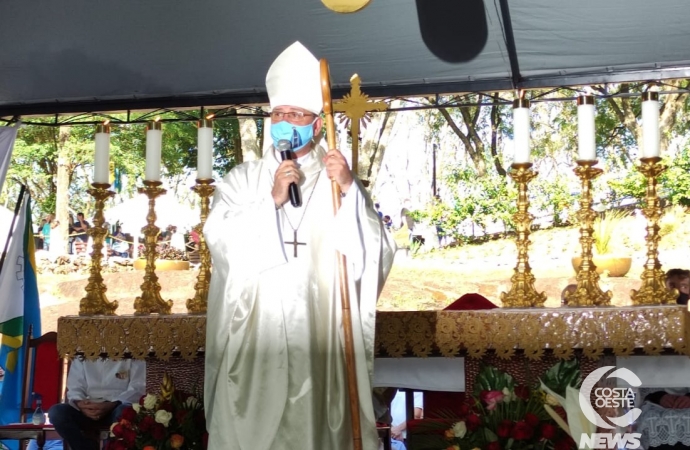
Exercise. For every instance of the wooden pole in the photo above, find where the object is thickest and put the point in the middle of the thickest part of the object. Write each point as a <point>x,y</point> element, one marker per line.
<point>342,271</point>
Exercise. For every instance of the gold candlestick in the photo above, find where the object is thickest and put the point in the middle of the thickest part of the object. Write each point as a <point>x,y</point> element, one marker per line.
<point>522,292</point>
<point>150,301</point>
<point>653,290</point>
<point>197,305</point>
<point>96,301</point>
<point>588,292</point>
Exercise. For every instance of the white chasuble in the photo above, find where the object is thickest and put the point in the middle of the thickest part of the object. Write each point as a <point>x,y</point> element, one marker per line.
<point>275,375</point>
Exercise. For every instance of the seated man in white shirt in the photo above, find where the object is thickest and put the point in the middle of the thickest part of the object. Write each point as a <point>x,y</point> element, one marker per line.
<point>97,393</point>
<point>399,416</point>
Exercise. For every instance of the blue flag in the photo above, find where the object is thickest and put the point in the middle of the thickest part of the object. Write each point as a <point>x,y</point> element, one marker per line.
<point>19,309</point>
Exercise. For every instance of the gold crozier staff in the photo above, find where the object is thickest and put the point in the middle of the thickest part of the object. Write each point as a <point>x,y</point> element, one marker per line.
<point>351,370</point>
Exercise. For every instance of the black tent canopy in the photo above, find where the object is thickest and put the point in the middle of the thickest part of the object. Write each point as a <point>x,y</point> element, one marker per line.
<point>81,56</point>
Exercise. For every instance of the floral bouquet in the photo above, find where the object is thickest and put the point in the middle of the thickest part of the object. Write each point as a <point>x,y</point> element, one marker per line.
<point>171,420</point>
<point>502,414</point>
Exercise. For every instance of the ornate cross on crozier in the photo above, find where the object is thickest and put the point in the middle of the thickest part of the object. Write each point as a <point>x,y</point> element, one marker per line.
<point>357,107</point>
<point>294,242</point>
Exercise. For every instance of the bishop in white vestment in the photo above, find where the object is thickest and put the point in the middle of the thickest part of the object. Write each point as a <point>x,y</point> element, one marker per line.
<point>275,373</point>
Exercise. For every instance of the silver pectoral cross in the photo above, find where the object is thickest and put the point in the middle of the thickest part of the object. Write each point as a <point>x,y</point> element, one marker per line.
<point>294,242</point>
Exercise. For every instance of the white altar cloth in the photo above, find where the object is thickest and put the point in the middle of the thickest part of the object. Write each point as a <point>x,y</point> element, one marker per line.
<point>666,371</point>
<point>428,374</point>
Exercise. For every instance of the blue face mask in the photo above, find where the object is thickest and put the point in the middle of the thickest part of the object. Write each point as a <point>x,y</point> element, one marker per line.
<point>299,136</point>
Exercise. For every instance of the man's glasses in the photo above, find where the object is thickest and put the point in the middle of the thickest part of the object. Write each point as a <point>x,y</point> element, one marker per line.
<point>290,116</point>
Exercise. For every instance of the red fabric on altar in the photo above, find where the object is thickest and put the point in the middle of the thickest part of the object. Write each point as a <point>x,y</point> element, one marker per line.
<point>470,301</point>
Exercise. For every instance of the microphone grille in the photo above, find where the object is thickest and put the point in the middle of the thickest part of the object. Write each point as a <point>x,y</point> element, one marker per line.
<point>283,145</point>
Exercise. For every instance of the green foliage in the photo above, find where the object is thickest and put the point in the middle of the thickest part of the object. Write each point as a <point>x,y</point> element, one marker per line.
<point>481,200</point>
<point>34,159</point>
<point>672,220</point>
<point>613,138</point>
<point>563,374</point>
<point>631,185</point>
<point>553,196</point>
<point>675,182</point>
<point>35,162</point>
<point>447,217</point>
<point>492,379</point>
<point>605,225</point>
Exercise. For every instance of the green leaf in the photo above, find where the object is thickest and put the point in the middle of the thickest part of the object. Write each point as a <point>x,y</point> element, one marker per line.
<point>490,435</point>
<point>563,374</point>
<point>492,379</point>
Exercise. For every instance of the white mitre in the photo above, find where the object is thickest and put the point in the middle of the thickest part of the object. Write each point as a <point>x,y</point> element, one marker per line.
<point>294,79</point>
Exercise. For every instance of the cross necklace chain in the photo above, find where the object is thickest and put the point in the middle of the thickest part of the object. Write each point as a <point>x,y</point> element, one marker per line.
<point>294,229</point>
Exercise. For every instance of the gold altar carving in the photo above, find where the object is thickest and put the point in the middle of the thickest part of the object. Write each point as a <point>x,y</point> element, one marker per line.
<point>198,304</point>
<point>588,292</point>
<point>356,107</point>
<point>650,329</point>
<point>522,292</point>
<point>150,301</point>
<point>96,301</point>
<point>562,330</point>
<point>653,290</point>
<point>136,335</point>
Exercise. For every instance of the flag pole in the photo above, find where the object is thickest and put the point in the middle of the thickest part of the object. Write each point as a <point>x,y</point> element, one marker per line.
<point>342,271</point>
<point>17,208</point>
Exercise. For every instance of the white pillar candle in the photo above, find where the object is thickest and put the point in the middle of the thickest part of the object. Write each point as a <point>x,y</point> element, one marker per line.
<point>521,130</point>
<point>586,136</point>
<point>101,160</point>
<point>204,160</point>
<point>154,143</point>
<point>650,124</point>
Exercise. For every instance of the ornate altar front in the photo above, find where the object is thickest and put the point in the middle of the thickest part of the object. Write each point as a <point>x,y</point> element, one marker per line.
<point>176,342</point>
<point>651,330</point>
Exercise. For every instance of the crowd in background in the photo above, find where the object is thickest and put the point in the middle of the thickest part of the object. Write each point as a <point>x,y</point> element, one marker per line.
<point>117,242</point>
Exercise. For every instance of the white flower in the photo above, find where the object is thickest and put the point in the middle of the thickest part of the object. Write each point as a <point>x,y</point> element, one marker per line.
<point>136,407</point>
<point>460,429</point>
<point>150,401</point>
<point>191,403</point>
<point>163,417</point>
<point>508,396</point>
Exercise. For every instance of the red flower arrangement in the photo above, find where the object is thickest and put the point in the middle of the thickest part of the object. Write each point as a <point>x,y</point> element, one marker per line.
<point>172,420</point>
<point>503,415</point>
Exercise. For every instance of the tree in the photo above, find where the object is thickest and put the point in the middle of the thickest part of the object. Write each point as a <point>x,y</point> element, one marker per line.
<point>45,159</point>
<point>55,162</point>
<point>375,135</point>
<point>470,200</point>
<point>675,182</point>
<point>470,128</point>
<point>620,112</point>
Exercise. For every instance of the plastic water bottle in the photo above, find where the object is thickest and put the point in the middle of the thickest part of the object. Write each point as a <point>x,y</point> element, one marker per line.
<point>39,417</point>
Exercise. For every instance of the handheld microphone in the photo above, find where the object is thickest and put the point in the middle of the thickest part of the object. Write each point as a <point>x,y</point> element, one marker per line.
<point>285,148</point>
